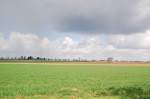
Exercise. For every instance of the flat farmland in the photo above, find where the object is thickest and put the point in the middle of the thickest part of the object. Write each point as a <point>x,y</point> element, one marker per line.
<point>74,81</point>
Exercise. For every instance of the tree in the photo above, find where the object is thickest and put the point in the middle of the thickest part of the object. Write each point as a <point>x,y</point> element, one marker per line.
<point>38,58</point>
<point>30,58</point>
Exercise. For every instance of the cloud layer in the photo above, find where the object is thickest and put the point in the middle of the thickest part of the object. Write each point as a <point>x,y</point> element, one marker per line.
<point>80,16</point>
<point>75,28</point>
<point>122,47</point>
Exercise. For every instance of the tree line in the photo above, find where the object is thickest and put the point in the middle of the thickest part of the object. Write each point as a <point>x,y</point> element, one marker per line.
<point>31,58</point>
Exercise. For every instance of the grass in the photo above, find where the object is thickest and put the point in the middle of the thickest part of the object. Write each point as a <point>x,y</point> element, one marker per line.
<point>74,81</point>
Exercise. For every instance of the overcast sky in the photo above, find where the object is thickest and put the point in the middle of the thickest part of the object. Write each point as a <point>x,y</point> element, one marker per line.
<point>92,29</point>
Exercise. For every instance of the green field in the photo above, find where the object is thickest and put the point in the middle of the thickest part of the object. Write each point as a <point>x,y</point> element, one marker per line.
<point>74,81</point>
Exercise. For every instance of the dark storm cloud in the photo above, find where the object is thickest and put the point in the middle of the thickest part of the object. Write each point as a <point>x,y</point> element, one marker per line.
<point>104,16</point>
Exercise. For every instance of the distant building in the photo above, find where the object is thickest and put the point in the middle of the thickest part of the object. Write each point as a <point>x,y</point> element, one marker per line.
<point>109,59</point>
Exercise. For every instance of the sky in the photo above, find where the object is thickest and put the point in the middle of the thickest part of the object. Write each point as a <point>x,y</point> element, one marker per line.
<point>90,29</point>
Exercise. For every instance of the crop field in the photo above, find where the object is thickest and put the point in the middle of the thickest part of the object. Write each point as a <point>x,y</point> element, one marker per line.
<point>74,81</point>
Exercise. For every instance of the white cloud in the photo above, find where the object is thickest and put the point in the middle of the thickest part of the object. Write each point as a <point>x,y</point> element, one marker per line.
<point>3,44</point>
<point>25,44</point>
<point>134,41</point>
<point>68,42</point>
<point>134,46</point>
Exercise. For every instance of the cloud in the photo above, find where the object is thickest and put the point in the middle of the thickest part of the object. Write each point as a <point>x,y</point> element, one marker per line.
<point>93,47</point>
<point>120,28</point>
<point>26,44</point>
<point>133,41</point>
<point>79,16</point>
<point>3,44</point>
